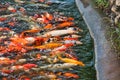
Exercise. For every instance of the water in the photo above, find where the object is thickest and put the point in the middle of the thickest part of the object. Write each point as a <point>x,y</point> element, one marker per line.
<point>85,52</point>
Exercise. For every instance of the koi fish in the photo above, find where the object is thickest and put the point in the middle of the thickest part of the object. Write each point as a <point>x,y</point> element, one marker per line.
<point>5,28</point>
<point>29,66</point>
<point>12,9</point>
<point>75,36</point>
<point>22,9</point>
<point>55,66</point>
<point>2,19</point>
<point>71,56</point>
<point>60,32</point>
<point>49,46</point>
<point>22,35</point>
<point>28,40</point>
<point>67,60</point>
<point>22,41</point>
<point>11,23</point>
<point>65,24</point>
<point>42,19</point>
<point>23,67</point>
<point>48,26</point>
<point>13,47</point>
<point>69,38</point>
<point>6,61</point>
<point>6,71</point>
<point>19,1</point>
<point>71,75</point>
<point>48,16</point>
<point>63,47</point>
<point>72,41</point>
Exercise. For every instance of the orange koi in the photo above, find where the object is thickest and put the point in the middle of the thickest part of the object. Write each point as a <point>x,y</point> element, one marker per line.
<point>38,56</point>
<point>6,71</point>
<point>14,10</point>
<point>41,0</point>
<point>21,41</point>
<point>23,77</point>
<point>14,47</point>
<point>2,9</point>
<point>68,38</point>
<point>4,78</point>
<point>71,75</point>
<point>5,28</point>
<point>29,66</point>
<point>49,46</point>
<point>27,79</point>
<point>48,26</point>
<point>43,19</point>
<point>11,23</point>
<point>65,24</point>
<point>70,18</point>
<point>48,16</point>
<point>67,60</point>
<point>2,19</point>
<point>40,40</point>
<point>22,35</point>
<point>2,48</point>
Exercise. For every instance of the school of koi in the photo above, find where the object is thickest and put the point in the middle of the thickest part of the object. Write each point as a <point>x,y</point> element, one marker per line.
<point>42,52</point>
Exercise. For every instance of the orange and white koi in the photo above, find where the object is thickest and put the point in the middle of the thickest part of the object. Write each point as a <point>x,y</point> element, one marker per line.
<point>22,35</point>
<point>23,41</point>
<point>5,28</point>
<point>23,67</point>
<point>42,19</point>
<point>63,47</point>
<point>6,61</point>
<point>12,9</point>
<point>48,16</point>
<point>71,56</point>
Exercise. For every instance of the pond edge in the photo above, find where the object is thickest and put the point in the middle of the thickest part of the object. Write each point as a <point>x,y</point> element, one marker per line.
<point>104,55</point>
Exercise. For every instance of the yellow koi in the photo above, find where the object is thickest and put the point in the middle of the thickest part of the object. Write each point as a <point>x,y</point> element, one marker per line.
<point>67,60</point>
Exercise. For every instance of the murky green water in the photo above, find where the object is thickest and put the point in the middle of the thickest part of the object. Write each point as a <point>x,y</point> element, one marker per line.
<point>85,52</point>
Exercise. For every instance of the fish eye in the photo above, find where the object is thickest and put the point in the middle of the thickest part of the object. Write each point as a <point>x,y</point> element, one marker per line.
<point>41,31</point>
<point>48,40</point>
<point>75,29</point>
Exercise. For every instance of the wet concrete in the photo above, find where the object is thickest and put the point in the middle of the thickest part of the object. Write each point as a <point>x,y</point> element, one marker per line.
<point>106,62</point>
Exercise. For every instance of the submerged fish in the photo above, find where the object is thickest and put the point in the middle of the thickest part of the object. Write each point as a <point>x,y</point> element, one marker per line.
<point>55,66</point>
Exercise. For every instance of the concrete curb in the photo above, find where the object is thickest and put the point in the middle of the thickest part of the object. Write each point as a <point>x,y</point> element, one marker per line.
<point>106,64</point>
